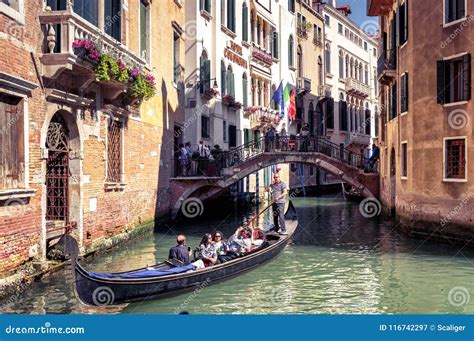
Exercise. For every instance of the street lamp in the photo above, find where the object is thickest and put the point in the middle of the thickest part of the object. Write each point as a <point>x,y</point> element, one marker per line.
<point>215,86</point>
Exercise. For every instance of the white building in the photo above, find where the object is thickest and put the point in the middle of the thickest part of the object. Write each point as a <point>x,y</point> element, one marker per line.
<point>239,48</point>
<point>351,78</point>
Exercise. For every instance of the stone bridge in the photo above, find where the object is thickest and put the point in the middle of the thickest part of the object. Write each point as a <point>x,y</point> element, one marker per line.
<point>248,159</point>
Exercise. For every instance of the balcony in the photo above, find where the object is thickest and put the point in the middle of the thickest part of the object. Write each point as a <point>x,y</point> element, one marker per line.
<point>357,88</point>
<point>60,30</point>
<point>387,66</point>
<point>303,85</point>
<point>262,57</point>
<point>355,139</point>
<point>325,91</point>
<point>262,117</point>
<point>378,7</point>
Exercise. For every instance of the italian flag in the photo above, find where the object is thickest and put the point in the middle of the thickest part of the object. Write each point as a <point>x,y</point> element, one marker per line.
<point>290,103</point>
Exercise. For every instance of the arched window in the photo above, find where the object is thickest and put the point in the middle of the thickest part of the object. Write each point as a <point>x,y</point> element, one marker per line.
<point>231,15</point>
<point>275,45</point>
<point>252,26</point>
<point>347,66</point>
<point>366,74</point>
<point>356,69</point>
<point>254,92</point>
<point>327,56</point>
<point>341,64</point>
<point>230,82</point>
<point>352,67</point>
<point>360,73</point>
<point>245,22</point>
<point>320,70</point>
<point>259,93</point>
<point>205,73</point>
<point>245,90</point>
<point>291,48</point>
<point>223,79</point>
<point>300,62</point>
<point>273,104</point>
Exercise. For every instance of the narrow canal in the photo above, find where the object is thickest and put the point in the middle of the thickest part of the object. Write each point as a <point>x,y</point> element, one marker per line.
<point>339,263</point>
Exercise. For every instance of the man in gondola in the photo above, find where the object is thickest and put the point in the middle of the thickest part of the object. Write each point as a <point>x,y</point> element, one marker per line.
<point>179,252</point>
<point>279,191</point>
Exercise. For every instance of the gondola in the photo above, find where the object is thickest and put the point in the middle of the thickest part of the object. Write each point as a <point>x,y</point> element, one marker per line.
<point>168,278</point>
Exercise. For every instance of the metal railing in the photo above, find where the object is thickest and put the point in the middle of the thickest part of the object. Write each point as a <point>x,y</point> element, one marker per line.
<point>387,61</point>
<point>239,155</point>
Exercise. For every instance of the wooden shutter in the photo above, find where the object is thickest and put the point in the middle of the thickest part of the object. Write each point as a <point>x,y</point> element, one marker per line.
<point>467,76</point>
<point>205,76</point>
<point>402,92</point>
<point>275,45</point>
<point>401,25</point>
<point>461,10</point>
<point>245,23</point>
<point>368,121</point>
<point>245,91</point>
<point>406,21</point>
<point>11,142</point>
<point>330,114</point>
<point>441,82</point>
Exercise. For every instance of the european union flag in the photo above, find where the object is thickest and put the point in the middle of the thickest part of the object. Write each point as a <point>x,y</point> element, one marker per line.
<point>278,97</point>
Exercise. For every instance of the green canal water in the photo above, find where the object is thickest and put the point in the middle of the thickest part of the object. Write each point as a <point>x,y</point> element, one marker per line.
<point>338,263</point>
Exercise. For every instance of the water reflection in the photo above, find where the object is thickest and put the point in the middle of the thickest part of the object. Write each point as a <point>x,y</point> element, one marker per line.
<point>339,262</point>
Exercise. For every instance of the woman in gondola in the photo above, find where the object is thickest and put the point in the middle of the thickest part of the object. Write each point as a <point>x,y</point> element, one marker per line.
<point>207,251</point>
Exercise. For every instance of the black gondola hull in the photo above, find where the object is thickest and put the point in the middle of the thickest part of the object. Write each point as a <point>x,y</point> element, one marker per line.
<point>107,291</point>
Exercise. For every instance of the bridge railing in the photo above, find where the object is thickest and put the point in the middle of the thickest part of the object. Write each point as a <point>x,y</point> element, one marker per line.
<point>317,144</point>
<point>237,156</point>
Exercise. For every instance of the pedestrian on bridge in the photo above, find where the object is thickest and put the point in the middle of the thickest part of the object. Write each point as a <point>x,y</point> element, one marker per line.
<point>279,192</point>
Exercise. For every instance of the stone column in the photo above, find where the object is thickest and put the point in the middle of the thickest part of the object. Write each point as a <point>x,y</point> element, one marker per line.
<point>101,14</point>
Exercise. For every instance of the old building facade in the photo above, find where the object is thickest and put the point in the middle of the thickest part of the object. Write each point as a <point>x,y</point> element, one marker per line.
<point>426,123</point>
<point>86,139</point>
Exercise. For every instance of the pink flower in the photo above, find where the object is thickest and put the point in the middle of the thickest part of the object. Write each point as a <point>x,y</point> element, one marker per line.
<point>94,54</point>
<point>135,72</point>
<point>150,79</point>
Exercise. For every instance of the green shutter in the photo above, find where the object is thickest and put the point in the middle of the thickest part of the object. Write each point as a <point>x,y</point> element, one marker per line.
<point>275,45</point>
<point>244,89</point>
<point>245,23</point>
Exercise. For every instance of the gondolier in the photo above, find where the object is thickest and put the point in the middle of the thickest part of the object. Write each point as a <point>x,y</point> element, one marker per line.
<point>279,191</point>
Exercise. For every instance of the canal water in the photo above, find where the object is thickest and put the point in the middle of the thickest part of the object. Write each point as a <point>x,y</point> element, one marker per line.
<point>338,263</point>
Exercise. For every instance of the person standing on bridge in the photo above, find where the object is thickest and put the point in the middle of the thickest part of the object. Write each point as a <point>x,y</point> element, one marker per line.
<point>279,191</point>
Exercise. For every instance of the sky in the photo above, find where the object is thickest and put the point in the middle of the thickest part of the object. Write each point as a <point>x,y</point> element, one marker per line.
<point>359,14</point>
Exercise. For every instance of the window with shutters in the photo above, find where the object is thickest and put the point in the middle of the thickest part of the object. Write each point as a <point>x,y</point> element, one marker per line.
<point>403,23</point>
<point>330,114</point>
<point>88,9</point>
<point>368,121</point>
<point>230,82</point>
<point>454,80</point>
<point>341,64</point>
<point>327,57</point>
<point>393,101</point>
<point>275,45</point>
<point>205,126</point>
<point>113,18</point>
<point>205,5</point>
<point>327,20</point>
<point>245,22</point>
<point>454,11</point>
<point>245,90</point>
<point>455,160</point>
<point>231,15</point>
<point>232,136</point>
<point>114,151</point>
<point>340,28</point>
<point>291,52</point>
<point>404,160</point>
<point>376,123</point>
<point>343,116</point>
<point>404,93</point>
<point>291,6</point>
<point>223,79</point>
<point>224,132</point>
<point>176,62</point>
<point>205,74</point>
<point>144,29</point>
<point>11,142</point>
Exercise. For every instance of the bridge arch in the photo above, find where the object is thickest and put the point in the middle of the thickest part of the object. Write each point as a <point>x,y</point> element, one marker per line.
<point>365,184</point>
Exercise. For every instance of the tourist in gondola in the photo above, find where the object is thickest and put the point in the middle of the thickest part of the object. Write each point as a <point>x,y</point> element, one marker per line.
<point>238,244</point>
<point>179,251</point>
<point>278,191</point>
<point>207,251</point>
<point>219,243</point>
